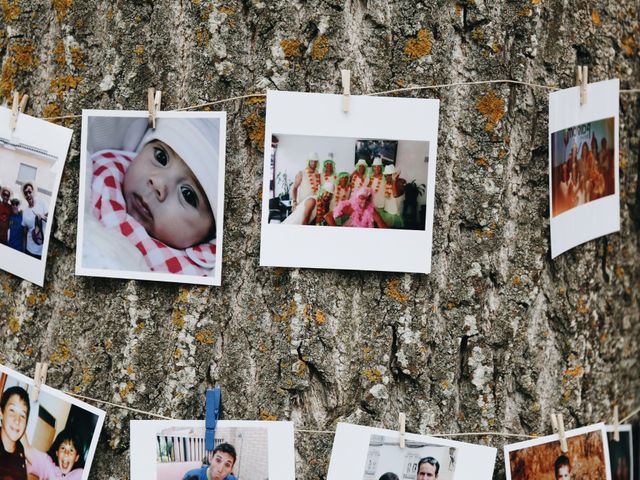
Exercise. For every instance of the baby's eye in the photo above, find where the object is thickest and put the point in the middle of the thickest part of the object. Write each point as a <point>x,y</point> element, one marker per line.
<point>160,156</point>
<point>190,196</point>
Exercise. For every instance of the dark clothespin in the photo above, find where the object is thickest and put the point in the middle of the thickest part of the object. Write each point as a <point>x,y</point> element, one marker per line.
<point>213,406</point>
<point>154,98</point>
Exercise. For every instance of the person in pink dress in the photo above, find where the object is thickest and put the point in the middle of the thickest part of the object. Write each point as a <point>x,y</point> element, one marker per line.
<point>61,462</point>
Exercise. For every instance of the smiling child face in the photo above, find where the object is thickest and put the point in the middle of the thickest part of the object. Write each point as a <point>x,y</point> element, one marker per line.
<point>67,456</point>
<point>162,194</point>
<point>14,419</point>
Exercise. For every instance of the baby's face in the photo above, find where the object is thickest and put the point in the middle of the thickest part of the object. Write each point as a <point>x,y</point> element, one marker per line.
<point>162,194</point>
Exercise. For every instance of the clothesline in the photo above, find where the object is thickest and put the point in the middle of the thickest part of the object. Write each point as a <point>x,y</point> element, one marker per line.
<point>385,92</point>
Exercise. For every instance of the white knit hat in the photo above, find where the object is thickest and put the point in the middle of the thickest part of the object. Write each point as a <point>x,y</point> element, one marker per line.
<point>362,161</point>
<point>389,170</point>
<point>377,162</point>
<point>196,141</point>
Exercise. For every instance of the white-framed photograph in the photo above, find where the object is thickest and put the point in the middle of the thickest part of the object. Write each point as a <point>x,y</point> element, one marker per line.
<point>621,452</point>
<point>151,200</point>
<point>31,163</point>
<point>243,450</point>
<point>51,437</point>
<point>368,453</point>
<point>584,191</point>
<point>543,459</point>
<point>351,191</point>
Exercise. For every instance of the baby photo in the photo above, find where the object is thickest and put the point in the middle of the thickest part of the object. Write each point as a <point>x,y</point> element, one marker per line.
<point>151,199</point>
<point>369,453</point>
<point>243,450</point>
<point>621,452</point>
<point>363,183</point>
<point>543,459</point>
<point>366,176</point>
<point>31,163</point>
<point>53,437</point>
<point>584,192</point>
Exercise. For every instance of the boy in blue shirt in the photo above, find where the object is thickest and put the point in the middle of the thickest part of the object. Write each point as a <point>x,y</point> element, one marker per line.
<point>222,460</point>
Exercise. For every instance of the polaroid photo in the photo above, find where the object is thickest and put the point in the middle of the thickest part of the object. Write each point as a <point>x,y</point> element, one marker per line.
<point>367,453</point>
<point>621,452</point>
<point>371,169</point>
<point>151,200</point>
<point>51,437</point>
<point>244,450</point>
<point>542,458</point>
<point>31,163</point>
<point>583,165</point>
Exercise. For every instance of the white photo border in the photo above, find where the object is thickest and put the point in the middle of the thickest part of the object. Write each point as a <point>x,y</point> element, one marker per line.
<point>351,445</point>
<point>556,438</point>
<point>56,140</point>
<point>214,280</point>
<point>598,217</point>
<point>627,428</point>
<point>73,401</point>
<point>143,433</point>
<point>316,114</point>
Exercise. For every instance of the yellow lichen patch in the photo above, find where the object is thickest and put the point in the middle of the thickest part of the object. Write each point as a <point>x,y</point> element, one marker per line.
<point>177,354</point>
<point>320,48</point>
<point>482,162</point>
<point>536,2</point>
<point>420,46</point>
<point>63,84</point>
<point>517,280</point>
<point>445,384</point>
<point>492,107</point>
<point>306,312</point>
<point>51,110</point>
<point>227,10</point>
<point>7,84</point>
<point>77,58</point>
<point>138,49</point>
<point>61,355</point>
<point>320,317</point>
<point>628,45</point>
<point>130,370</point>
<point>300,368</point>
<point>256,100</point>
<point>495,47</point>
<point>205,337</point>
<point>458,10</point>
<point>58,53</point>
<point>69,293</point>
<point>291,48</point>
<point>178,317</point>
<point>373,374</point>
<point>108,344</point>
<point>31,299</point>
<point>581,307</point>
<point>61,8</point>
<point>610,248</point>
<point>124,391</point>
<point>619,272</point>
<point>183,296</point>
<point>255,124</point>
<point>486,232</point>
<point>524,12</point>
<point>10,10</point>
<point>451,306</point>
<point>266,416</point>
<point>13,323</point>
<point>86,375</point>
<point>574,372</point>
<point>139,327</point>
<point>23,54</point>
<point>477,35</point>
<point>595,18</point>
<point>367,352</point>
<point>28,351</point>
<point>393,292</point>
<point>202,37</point>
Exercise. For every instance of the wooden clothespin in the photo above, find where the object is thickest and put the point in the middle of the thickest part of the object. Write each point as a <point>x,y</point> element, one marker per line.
<point>616,424</point>
<point>213,406</point>
<point>558,427</point>
<point>346,89</point>
<point>154,98</point>
<point>582,79</point>
<point>16,108</point>
<point>403,421</point>
<point>39,379</point>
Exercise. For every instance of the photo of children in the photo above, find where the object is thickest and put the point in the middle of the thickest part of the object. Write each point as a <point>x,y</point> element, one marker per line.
<point>51,438</point>
<point>364,183</point>
<point>542,458</point>
<point>152,198</point>
<point>621,452</point>
<point>417,461</point>
<point>583,164</point>
<point>32,159</point>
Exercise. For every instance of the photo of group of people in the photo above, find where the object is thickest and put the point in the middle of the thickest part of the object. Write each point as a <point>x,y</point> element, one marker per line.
<point>386,460</point>
<point>583,164</point>
<point>621,452</point>
<point>52,437</point>
<point>151,198</point>
<point>365,183</point>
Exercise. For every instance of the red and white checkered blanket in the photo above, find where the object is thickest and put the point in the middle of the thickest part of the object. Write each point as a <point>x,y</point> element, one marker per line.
<point>108,204</point>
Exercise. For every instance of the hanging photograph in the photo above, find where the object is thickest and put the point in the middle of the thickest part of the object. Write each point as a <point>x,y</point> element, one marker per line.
<point>621,452</point>
<point>46,436</point>
<point>366,453</point>
<point>151,199</point>
<point>583,165</point>
<point>349,182</point>
<point>242,450</point>
<point>31,163</point>
<point>543,459</point>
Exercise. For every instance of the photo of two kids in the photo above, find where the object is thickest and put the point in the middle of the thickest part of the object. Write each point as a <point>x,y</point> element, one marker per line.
<point>47,439</point>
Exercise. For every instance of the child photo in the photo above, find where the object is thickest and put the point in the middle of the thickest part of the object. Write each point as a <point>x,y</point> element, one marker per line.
<point>369,453</point>
<point>32,159</point>
<point>363,183</point>
<point>583,165</point>
<point>53,437</point>
<point>621,452</point>
<point>243,450</point>
<point>151,199</point>
<point>543,459</point>
<point>367,179</point>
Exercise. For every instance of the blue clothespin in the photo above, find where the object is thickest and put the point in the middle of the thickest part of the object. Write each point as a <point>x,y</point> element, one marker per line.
<point>213,405</point>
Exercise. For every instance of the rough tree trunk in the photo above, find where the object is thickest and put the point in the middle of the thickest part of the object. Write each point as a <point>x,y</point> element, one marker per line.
<point>495,338</point>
